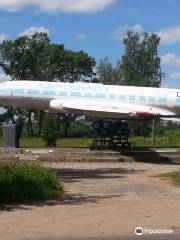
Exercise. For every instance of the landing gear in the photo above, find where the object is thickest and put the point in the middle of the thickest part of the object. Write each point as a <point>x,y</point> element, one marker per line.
<point>110,134</point>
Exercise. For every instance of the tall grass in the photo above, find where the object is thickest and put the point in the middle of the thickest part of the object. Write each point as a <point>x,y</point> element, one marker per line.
<point>27,181</point>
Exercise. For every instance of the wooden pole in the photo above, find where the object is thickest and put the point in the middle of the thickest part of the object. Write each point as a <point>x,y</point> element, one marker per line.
<point>153,131</point>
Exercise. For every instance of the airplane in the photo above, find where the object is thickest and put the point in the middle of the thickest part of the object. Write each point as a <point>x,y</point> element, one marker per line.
<point>92,99</point>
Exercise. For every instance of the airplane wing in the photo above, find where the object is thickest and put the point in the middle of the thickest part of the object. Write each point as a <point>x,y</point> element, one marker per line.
<point>108,109</point>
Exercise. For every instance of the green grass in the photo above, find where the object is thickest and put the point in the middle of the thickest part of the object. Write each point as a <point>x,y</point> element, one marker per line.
<point>175,176</point>
<point>27,181</point>
<point>171,139</point>
<point>74,142</point>
<point>64,142</point>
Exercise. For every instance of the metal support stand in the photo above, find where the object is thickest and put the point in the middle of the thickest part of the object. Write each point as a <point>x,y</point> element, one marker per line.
<point>110,135</point>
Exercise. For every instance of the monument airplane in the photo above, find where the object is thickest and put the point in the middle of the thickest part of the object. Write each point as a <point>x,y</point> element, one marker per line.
<point>91,99</point>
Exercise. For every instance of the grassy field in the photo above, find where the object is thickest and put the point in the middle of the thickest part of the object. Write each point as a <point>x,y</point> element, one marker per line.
<point>170,139</point>
<point>174,176</point>
<point>64,142</point>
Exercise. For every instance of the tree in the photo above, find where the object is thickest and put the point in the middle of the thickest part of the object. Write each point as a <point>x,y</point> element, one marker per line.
<point>36,58</point>
<point>49,132</point>
<point>21,58</point>
<point>108,74</point>
<point>24,59</point>
<point>141,64</point>
<point>77,66</point>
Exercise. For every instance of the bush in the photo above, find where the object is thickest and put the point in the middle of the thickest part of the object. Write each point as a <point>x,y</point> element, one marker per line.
<point>49,130</point>
<point>27,181</point>
<point>78,130</point>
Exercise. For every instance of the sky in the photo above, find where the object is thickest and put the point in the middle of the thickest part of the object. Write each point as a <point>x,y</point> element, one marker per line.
<point>98,26</point>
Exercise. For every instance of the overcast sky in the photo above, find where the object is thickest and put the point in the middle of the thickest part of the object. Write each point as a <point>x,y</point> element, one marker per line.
<point>98,26</point>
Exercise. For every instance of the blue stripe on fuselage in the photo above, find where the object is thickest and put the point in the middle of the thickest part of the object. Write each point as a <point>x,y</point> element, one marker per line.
<point>5,90</point>
<point>63,94</point>
<point>83,94</point>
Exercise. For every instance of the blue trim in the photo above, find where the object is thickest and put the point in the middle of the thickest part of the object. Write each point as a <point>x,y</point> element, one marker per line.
<point>99,95</point>
<point>163,100</point>
<point>142,98</point>
<point>5,90</point>
<point>88,95</point>
<point>33,92</point>
<point>17,91</point>
<point>45,92</point>
<point>112,96</point>
<point>75,94</point>
<point>63,94</point>
<point>122,97</point>
<point>131,98</point>
<point>151,99</point>
<point>49,93</point>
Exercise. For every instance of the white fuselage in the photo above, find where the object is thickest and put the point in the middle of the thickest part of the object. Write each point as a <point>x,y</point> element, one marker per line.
<point>38,95</point>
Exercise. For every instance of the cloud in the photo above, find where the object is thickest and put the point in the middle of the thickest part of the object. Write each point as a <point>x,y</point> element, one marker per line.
<point>3,37</point>
<point>81,37</point>
<point>32,30</point>
<point>175,76</point>
<point>77,6</point>
<point>170,60</point>
<point>121,32</point>
<point>170,35</point>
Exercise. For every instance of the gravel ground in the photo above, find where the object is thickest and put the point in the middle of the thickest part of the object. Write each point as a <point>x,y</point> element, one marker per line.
<point>102,201</point>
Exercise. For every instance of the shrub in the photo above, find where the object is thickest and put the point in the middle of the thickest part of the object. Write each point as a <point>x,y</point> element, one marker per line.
<point>49,130</point>
<point>27,181</point>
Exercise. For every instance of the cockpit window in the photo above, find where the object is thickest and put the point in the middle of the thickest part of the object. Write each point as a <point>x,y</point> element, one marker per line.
<point>178,94</point>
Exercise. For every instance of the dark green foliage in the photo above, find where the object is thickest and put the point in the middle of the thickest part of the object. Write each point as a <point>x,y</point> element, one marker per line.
<point>141,64</point>
<point>76,66</point>
<point>49,130</point>
<point>79,130</point>
<point>141,127</point>
<point>22,58</point>
<point>76,130</point>
<point>108,74</point>
<point>35,58</point>
<point>27,181</point>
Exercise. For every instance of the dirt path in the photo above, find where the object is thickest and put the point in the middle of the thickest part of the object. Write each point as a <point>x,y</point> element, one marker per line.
<point>107,199</point>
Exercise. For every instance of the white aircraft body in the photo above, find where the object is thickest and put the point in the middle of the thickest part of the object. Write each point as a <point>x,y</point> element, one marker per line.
<point>98,100</point>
